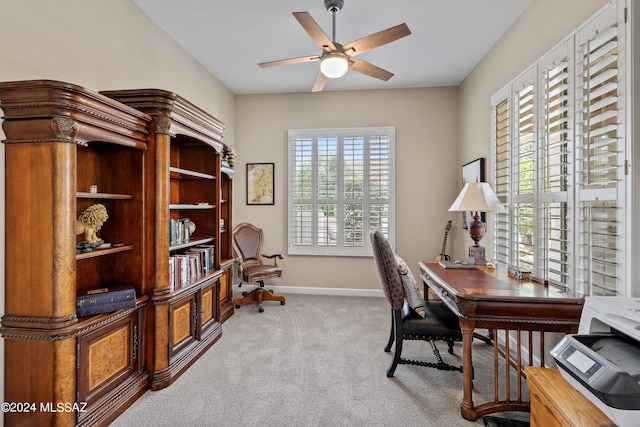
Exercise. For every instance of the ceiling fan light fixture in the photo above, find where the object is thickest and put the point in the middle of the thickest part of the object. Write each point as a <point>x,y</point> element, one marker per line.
<point>334,65</point>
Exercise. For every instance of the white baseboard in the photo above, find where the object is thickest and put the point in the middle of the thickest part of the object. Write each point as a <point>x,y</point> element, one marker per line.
<point>316,291</point>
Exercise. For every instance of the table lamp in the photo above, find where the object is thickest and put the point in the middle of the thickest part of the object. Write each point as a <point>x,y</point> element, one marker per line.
<point>477,197</point>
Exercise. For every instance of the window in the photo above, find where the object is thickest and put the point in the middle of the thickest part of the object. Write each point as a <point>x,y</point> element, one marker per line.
<point>340,186</point>
<point>558,163</point>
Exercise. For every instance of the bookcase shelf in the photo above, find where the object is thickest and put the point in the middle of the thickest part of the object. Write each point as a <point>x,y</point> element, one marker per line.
<point>85,195</point>
<point>104,251</point>
<point>195,207</point>
<point>178,173</point>
<point>190,243</point>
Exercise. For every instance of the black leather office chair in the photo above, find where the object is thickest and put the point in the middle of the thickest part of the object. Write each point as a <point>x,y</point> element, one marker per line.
<point>438,323</point>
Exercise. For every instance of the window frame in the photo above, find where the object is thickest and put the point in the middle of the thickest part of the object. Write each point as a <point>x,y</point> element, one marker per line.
<point>314,246</point>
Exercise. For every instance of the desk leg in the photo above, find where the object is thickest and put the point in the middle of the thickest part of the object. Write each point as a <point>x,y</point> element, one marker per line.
<point>467,409</point>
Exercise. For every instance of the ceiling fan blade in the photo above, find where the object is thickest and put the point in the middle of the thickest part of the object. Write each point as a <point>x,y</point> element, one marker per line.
<point>320,82</point>
<point>378,39</point>
<point>298,60</point>
<point>365,67</point>
<point>315,32</point>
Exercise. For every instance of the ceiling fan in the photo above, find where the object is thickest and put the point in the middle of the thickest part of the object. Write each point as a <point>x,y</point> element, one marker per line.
<point>335,58</point>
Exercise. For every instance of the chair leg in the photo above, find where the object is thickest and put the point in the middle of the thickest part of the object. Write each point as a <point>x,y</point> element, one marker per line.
<point>391,334</point>
<point>436,352</point>
<point>397,322</point>
<point>258,295</point>
<point>450,344</point>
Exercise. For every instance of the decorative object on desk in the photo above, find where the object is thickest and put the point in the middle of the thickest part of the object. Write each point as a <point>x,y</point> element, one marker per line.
<point>467,263</point>
<point>472,172</point>
<point>260,184</point>
<point>443,253</point>
<point>477,197</point>
<point>90,221</point>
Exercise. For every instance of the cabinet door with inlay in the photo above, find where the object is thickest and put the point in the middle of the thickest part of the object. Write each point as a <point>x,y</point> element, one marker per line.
<point>183,323</point>
<point>208,307</point>
<point>108,356</point>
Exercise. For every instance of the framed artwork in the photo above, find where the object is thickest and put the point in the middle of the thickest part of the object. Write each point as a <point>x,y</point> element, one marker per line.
<point>260,184</point>
<point>472,172</point>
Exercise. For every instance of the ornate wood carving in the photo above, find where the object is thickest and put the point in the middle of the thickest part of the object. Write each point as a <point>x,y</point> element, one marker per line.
<point>181,323</point>
<point>108,356</point>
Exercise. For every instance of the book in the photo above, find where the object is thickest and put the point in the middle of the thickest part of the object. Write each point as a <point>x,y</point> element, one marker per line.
<point>109,307</point>
<point>456,264</point>
<point>111,294</point>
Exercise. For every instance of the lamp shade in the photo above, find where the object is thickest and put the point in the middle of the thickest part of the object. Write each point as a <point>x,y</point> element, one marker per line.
<point>334,65</point>
<point>477,197</point>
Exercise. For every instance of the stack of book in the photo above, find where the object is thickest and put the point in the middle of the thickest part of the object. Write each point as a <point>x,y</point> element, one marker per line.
<point>179,231</point>
<point>105,300</point>
<point>191,265</point>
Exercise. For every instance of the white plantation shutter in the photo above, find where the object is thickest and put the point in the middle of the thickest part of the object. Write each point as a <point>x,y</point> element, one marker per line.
<point>523,176</point>
<point>559,153</point>
<point>340,186</point>
<point>500,160</point>
<point>599,157</point>
<point>554,163</point>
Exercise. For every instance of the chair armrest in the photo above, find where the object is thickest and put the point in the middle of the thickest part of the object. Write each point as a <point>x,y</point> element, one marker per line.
<point>275,258</point>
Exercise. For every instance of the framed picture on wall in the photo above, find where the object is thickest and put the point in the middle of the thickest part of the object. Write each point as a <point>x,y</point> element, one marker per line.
<point>472,172</point>
<point>260,184</point>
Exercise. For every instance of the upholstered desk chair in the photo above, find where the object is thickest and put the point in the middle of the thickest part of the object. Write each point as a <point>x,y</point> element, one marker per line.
<point>420,320</point>
<point>247,239</point>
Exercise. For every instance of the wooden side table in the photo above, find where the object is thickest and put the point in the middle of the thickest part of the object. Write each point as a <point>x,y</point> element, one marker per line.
<point>555,402</point>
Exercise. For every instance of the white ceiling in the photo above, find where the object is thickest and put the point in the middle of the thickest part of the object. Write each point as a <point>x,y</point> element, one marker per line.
<point>230,37</point>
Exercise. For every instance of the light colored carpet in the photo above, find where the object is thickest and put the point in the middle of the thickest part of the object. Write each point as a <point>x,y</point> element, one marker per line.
<point>316,361</point>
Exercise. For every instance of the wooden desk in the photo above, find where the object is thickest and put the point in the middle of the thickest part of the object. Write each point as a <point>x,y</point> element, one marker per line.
<point>490,299</point>
<point>555,402</point>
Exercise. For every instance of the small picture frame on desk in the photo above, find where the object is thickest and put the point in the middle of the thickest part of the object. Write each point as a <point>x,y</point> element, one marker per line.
<point>472,172</point>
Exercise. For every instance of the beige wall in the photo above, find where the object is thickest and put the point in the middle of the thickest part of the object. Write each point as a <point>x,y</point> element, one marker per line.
<point>426,171</point>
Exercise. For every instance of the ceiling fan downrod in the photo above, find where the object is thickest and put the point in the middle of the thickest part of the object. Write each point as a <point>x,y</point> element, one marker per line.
<point>333,7</point>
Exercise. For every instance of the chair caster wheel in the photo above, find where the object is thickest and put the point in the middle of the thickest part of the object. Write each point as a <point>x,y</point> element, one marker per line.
<point>237,305</point>
<point>281,302</point>
<point>260,310</point>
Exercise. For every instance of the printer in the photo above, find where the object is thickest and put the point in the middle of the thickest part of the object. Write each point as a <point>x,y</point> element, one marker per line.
<point>603,359</point>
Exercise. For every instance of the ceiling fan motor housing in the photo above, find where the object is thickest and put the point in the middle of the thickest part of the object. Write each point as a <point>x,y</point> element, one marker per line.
<point>333,6</point>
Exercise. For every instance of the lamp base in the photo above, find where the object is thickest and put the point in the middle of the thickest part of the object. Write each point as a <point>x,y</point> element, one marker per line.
<point>477,253</point>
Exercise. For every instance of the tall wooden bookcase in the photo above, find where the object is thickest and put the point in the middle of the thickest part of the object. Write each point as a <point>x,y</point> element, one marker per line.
<point>160,158</point>
<point>191,178</point>
<point>61,139</point>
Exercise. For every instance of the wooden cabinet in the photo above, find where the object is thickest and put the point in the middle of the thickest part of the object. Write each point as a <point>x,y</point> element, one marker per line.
<point>554,402</point>
<point>190,179</point>
<point>61,140</point>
